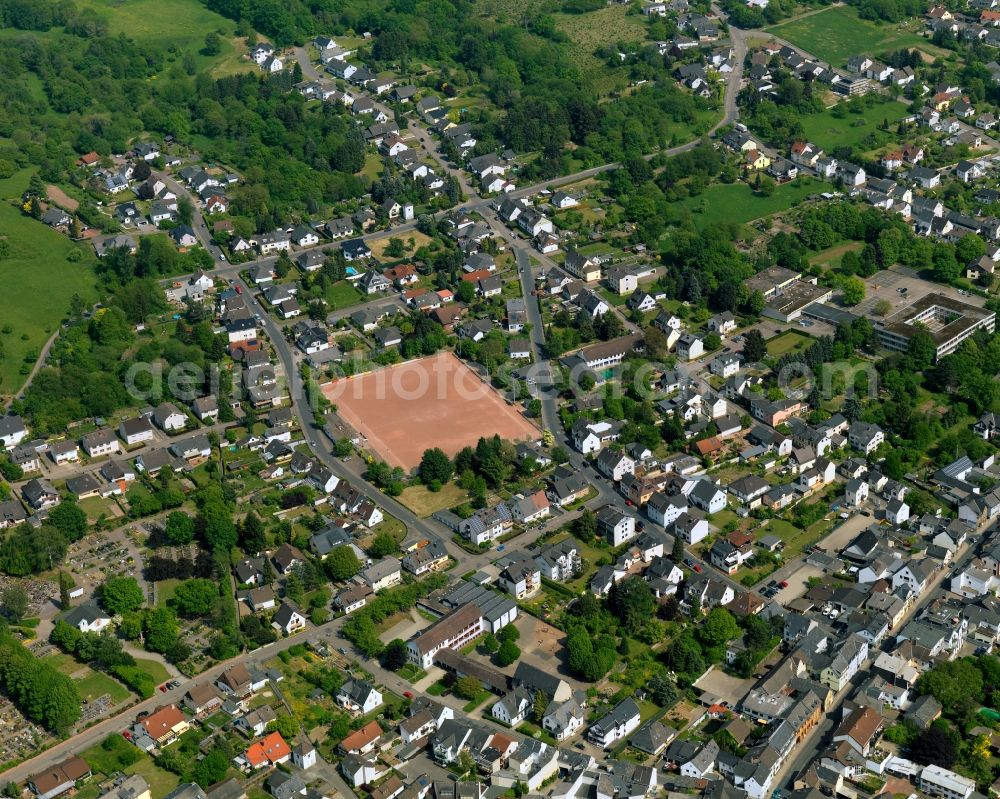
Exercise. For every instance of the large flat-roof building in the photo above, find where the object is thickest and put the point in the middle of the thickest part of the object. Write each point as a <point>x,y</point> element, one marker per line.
<point>947,320</point>
<point>788,304</point>
<point>771,281</point>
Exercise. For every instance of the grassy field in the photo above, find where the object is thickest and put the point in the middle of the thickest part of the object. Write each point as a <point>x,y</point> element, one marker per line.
<point>796,540</point>
<point>183,23</point>
<point>736,202</point>
<point>424,502</point>
<point>161,782</point>
<point>97,684</point>
<point>594,29</point>
<point>106,762</point>
<point>831,257</point>
<point>372,167</point>
<point>829,131</point>
<point>95,506</point>
<point>787,342</point>
<point>165,590</point>
<point>342,294</point>
<point>46,281</point>
<point>512,11</point>
<point>63,663</point>
<point>417,238</point>
<point>837,33</point>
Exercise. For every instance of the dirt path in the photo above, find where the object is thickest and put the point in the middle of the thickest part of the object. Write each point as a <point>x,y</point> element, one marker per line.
<point>39,363</point>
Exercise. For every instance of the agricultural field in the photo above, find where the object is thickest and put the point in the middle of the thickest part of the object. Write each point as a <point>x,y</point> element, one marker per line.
<point>37,262</point>
<point>737,202</point>
<point>837,33</point>
<point>830,131</point>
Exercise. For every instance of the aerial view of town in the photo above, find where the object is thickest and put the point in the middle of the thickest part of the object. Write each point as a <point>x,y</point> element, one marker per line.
<point>489,399</point>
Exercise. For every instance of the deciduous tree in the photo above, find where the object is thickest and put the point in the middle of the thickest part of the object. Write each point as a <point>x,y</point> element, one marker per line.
<point>121,595</point>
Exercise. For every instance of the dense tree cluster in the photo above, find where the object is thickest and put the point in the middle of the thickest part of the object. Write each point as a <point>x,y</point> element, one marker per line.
<point>27,550</point>
<point>360,628</point>
<point>889,10</point>
<point>87,373</point>
<point>102,651</point>
<point>40,691</point>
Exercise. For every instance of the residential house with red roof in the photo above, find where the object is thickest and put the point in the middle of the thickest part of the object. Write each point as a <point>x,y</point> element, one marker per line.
<point>268,752</point>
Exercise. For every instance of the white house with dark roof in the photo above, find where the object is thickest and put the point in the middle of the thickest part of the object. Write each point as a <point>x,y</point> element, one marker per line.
<point>12,431</point>
<point>359,696</point>
<point>169,418</point>
<point>87,618</point>
<point>615,464</point>
<point>382,574</point>
<point>40,494</point>
<point>619,723</point>
<point>615,525</point>
<point>513,707</point>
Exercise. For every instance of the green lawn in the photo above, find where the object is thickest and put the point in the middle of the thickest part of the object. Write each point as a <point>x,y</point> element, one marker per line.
<point>786,342</point>
<point>613,297</point>
<point>372,167</point>
<point>837,33</point>
<point>411,673</point>
<point>154,669</point>
<point>161,782</point>
<point>736,202</point>
<point>535,731</point>
<point>105,762</point>
<point>831,258</point>
<point>472,704</point>
<point>45,281</point>
<point>165,590</point>
<point>828,131</point>
<point>97,684</point>
<point>63,663</point>
<point>796,540</point>
<point>95,506</point>
<point>342,294</point>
